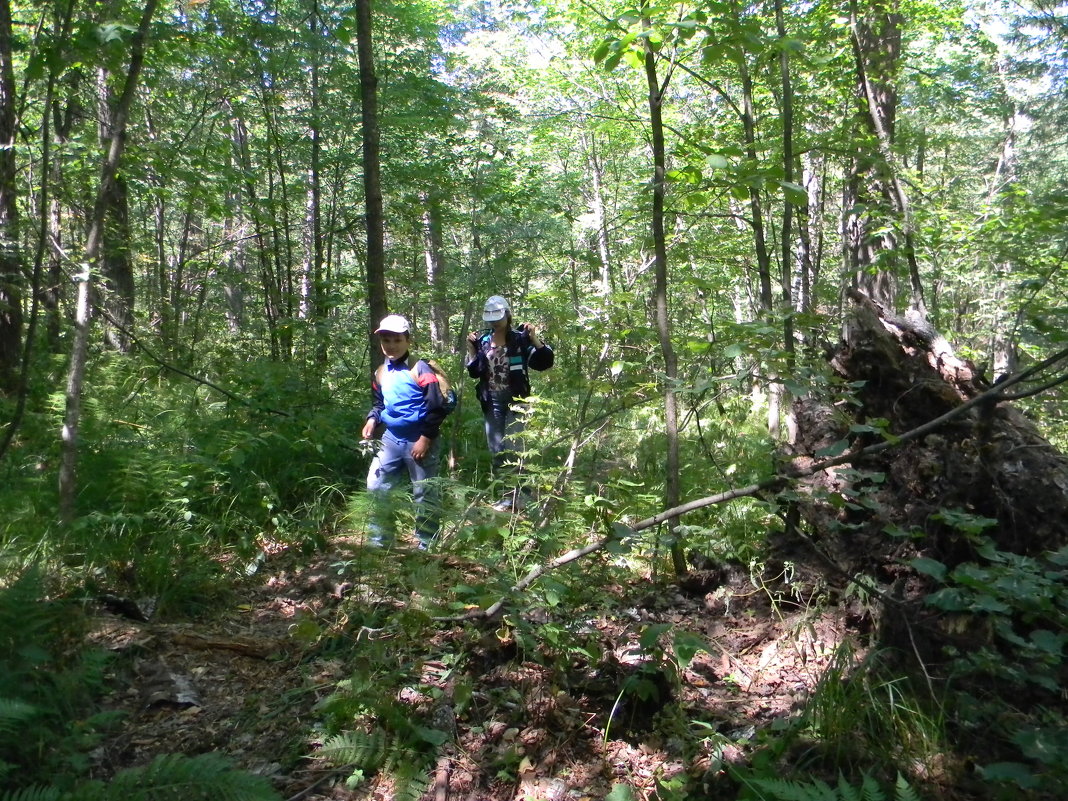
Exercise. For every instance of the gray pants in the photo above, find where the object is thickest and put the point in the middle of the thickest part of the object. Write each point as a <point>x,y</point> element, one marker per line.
<point>394,458</point>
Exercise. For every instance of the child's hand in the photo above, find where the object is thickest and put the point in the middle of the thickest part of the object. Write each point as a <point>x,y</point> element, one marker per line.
<point>368,428</point>
<point>533,334</point>
<point>420,448</point>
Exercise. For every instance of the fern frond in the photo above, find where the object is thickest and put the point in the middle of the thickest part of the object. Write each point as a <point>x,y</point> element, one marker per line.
<point>367,751</point>
<point>176,777</point>
<point>32,794</point>
<point>783,790</point>
<point>411,782</point>
<point>871,790</point>
<point>904,790</point>
<point>14,712</point>
<point>846,791</point>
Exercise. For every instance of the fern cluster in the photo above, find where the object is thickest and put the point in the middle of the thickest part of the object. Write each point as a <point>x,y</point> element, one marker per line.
<point>370,752</point>
<point>46,682</point>
<point>171,777</point>
<point>818,790</point>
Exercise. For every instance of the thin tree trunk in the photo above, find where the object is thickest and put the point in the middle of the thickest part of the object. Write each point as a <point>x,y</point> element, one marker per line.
<point>319,296</point>
<point>267,282</point>
<point>756,206</point>
<point>63,117</point>
<point>76,376</point>
<point>672,488</point>
<point>44,204</point>
<point>372,184</point>
<point>597,206</point>
<point>116,266</point>
<point>786,253</point>
<point>434,257</point>
<point>11,275</point>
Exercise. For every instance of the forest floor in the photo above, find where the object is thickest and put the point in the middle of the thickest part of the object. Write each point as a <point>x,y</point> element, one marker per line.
<point>247,682</point>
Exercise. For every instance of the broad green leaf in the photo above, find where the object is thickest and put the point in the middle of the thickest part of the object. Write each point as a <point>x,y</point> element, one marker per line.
<point>620,792</point>
<point>929,567</point>
<point>834,449</point>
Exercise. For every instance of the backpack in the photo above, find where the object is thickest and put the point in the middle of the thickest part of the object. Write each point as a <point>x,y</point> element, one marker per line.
<point>448,394</point>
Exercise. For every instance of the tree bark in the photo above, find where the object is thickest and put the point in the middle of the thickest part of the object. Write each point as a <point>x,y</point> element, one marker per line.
<point>372,182</point>
<point>116,267</point>
<point>94,242</point>
<point>319,306</point>
<point>11,273</point>
<point>874,194</point>
<point>434,258</point>
<point>672,482</point>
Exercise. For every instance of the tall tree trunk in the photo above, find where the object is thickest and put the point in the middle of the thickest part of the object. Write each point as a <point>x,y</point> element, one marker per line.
<point>786,252</point>
<point>1003,352</point>
<point>319,295</point>
<point>672,486</point>
<point>259,234</point>
<point>756,205</point>
<point>63,115</point>
<point>873,183</point>
<point>116,266</point>
<point>372,183</point>
<point>11,275</point>
<point>44,203</point>
<point>761,250</point>
<point>93,246</point>
<point>597,206</point>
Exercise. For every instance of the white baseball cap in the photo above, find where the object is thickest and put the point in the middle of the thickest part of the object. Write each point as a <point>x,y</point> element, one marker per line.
<point>496,308</point>
<point>394,324</point>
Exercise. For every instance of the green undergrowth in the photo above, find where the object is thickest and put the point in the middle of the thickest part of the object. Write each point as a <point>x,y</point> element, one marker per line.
<point>50,688</point>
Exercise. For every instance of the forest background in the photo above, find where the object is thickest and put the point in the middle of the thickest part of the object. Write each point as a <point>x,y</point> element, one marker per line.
<point>205,207</point>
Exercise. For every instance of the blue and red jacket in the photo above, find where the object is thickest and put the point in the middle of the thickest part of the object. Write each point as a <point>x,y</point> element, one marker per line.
<point>408,401</point>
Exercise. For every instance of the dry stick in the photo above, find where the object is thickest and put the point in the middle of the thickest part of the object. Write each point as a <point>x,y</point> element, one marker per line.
<point>992,395</point>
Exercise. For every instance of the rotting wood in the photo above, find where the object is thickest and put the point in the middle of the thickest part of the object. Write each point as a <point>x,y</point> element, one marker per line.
<point>968,395</point>
<point>246,646</point>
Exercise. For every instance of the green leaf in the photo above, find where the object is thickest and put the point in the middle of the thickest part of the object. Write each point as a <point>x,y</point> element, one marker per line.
<point>620,792</point>
<point>1017,773</point>
<point>834,449</point>
<point>634,58</point>
<point>651,635</point>
<point>795,193</point>
<point>431,736</point>
<point>929,567</point>
<point>687,645</point>
<point>603,49</point>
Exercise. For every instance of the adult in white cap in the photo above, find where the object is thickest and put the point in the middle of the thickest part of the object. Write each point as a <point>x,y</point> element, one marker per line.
<point>408,404</point>
<point>500,357</point>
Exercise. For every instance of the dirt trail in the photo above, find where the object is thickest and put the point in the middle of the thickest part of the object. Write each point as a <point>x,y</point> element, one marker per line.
<point>247,684</point>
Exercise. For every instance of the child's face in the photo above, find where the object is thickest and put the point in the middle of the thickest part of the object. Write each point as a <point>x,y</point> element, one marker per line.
<point>393,345</point>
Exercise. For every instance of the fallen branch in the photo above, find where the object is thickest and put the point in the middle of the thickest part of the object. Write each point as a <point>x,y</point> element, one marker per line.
<point>790,473</point>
